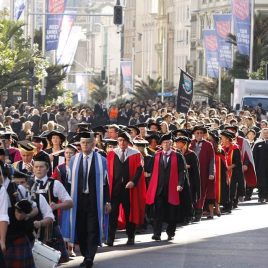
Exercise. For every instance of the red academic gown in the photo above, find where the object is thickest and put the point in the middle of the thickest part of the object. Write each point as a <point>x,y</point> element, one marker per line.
<point>206,155</point>
<point>247,158</point>
<point>137,194</point>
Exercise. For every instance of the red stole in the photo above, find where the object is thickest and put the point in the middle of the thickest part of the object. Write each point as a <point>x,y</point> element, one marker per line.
<point>173,195</point>
<point>229,158</point>
<point>137,194</point>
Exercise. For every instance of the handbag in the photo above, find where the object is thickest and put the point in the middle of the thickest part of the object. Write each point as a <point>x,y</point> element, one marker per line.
<point>45,256</point>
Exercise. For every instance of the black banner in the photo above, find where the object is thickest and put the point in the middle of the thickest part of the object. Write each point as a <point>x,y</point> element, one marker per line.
<point>185,93</point>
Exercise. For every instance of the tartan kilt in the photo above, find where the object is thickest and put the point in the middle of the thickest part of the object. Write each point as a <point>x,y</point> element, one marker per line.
<point>19,253</point>
<point>58,243</point>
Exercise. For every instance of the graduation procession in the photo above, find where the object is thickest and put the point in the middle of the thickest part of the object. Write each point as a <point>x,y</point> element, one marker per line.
<point>67,191</point>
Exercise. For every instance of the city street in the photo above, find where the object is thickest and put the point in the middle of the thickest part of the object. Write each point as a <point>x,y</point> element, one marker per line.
<point>236,240</point>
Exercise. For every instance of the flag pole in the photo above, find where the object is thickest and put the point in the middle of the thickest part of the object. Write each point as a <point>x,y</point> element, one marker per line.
<point>251,36</point>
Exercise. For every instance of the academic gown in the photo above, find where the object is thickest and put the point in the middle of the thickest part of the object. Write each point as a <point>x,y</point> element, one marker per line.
<point>260,153</point>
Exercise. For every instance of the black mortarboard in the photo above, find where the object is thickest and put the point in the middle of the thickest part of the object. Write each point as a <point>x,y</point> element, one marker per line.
<point>165,137</point>
<point>26,146</point>
<point>136,129</point>
<point>71,146</point>
<point>140,142</point>
<point>40,139</point>
<point>199,127</point>
<point>228,134</point>
<point>110,142</point>
<point>99,129</point>
<point>24,205</point>
<point>183,139</point>
<point>154,124</point>
<point>184,132</point>
<point>84,125</point>
<point>231,127</point>
<point>85,135</point>
<point>56,133</point>
<point>215,136</point>
<point>141,125</point>
<point>152,136</point>
<point>125,135</point>
<point>41,158</point>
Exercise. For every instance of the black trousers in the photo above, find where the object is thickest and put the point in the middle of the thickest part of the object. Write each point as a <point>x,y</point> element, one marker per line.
<point>2,261</point>
<point>87,227</point>
<point>121,198</point>
<point>164,212</point>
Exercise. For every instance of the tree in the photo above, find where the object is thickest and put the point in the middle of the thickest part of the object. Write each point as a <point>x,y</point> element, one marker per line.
<point>99,91</point>
<point>20,65</point>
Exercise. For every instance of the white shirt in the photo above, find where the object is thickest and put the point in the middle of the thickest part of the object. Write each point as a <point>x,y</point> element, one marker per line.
<point>45,209</point>
<point>59,190</point>
<point>89,160</point>
<point>4,205</point>
<point>23,193</point>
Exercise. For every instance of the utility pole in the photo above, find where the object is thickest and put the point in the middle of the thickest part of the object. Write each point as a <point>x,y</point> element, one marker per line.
<point>252,36</point>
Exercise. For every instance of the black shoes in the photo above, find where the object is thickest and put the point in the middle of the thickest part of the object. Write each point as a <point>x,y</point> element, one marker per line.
<point>130,242</point>
<point>156,237</point>
<point>109,242</point>
<point>170,238</point>
<point>88,263</point>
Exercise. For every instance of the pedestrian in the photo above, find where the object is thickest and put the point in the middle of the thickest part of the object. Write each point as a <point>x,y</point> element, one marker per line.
<point>90,194</point>
<point>127,188</point>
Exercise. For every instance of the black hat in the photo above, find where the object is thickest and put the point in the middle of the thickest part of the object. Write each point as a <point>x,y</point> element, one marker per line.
<point>20,175</point>
<point>215,136</point>
<point>154,124</point>
<point>152,136</point>
<point>26,146</point>
<point>40,139</point>
<point>136,129</point>
<point>101,129</point>
<point>165,137</point>
<point>8,135</point>
<point>41,157</point>
<point>125,135</point>
<point>85,135</point>
<point>2,151</point>
<point>110,142</point>
<point>200,127</point>
<point>84,125</point>
<point>228,134</point>
<point>140,142</point>
<point>184,132</point>
<point>141,125</point>
<point>231,127</point>
<point>24,205</point>
<point>183,139</point>
<point>56,133</point>
<point>71,146</point>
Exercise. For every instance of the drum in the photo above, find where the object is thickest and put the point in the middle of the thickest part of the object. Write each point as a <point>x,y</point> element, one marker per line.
<point>45,256</point>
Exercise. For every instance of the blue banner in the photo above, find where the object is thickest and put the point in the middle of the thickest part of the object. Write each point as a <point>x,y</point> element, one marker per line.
<point>53,23</point>
<point>211,50</point>
<point>18,8</point>
<point>241,17</point>
<point>222,25</point>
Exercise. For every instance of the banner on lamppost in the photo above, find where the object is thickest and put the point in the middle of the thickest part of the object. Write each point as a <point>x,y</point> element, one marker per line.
<point>185,93</point>
<point>53,23</point>
<point>127,78</point>
<point>65,34</point>
<point>18,8</point>
<point>242,24</point>
<point>211,51</point>
<point>222,24</point>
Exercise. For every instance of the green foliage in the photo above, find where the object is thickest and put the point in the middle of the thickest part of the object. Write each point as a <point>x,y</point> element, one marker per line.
<point>20,65</point>
<point>206,87</point>
<point>260,73</point>
<point>99,91</point>
<point>55,76</point>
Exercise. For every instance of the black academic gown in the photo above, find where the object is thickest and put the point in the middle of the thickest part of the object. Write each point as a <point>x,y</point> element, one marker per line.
<point>260,154</point>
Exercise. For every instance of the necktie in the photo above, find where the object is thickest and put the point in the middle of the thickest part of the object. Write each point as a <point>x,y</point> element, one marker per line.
<point>85,170</point>
<point>165,156</point>
<point>40,183</point>
<point>122,159</point>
